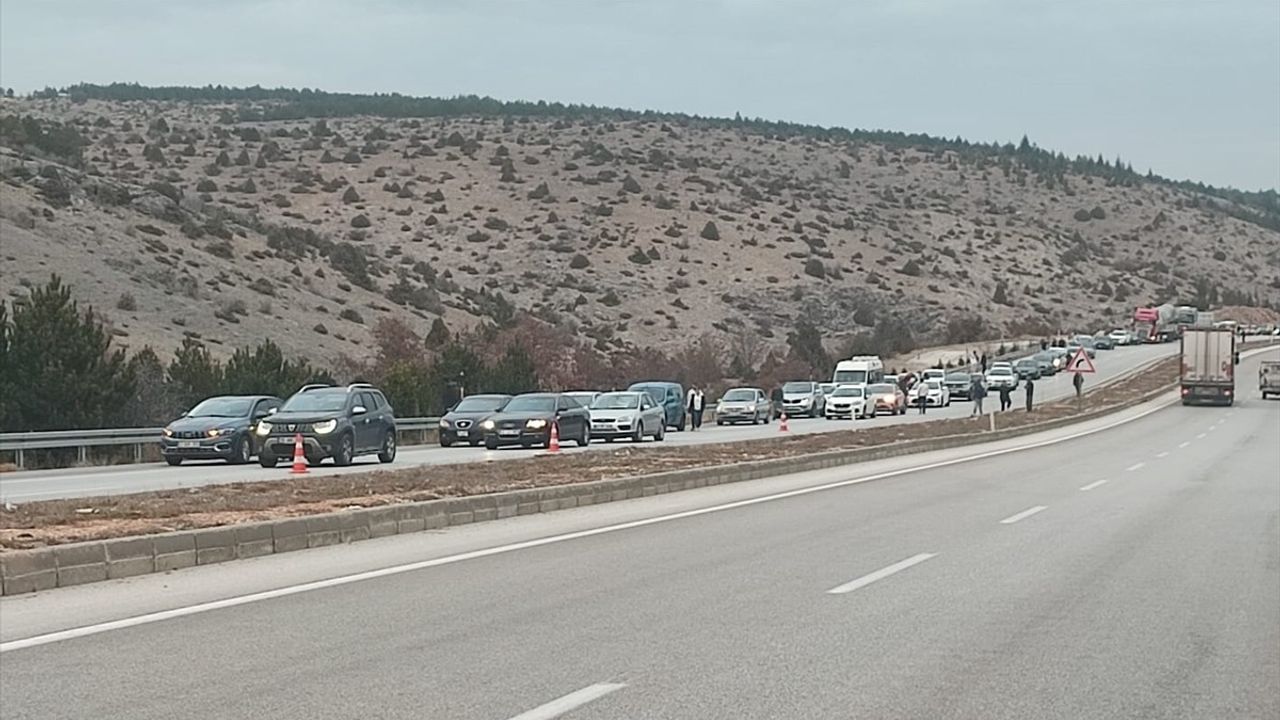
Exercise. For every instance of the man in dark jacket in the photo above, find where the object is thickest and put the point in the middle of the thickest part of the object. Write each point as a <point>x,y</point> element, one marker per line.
<point>1006,399</point>
<point>1031,389</point>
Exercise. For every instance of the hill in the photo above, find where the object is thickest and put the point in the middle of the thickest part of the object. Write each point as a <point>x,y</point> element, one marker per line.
<point>232,216</point>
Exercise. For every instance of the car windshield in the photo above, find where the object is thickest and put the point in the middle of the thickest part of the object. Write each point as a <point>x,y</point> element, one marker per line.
<point>881,389</point>
<point>827,388</point>
<point>797,387</point>
<point>582,398</point>
<point>221,407</point>
<point>480,403</point>
<point>847,391</point>
<point>616,401</point>
<point>531,404</point>
<point>958,378</point>
<point>851,376</point>
<point>1001,371</point>
<point>739,396</point>
<point>316,401</point>
<point>933,384</point>
<point>1028,361</point>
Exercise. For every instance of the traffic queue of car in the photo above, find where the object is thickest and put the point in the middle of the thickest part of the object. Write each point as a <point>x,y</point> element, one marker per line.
<point>343,423</point>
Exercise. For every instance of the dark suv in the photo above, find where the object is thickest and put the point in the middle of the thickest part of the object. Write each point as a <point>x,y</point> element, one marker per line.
<point>334,422</point>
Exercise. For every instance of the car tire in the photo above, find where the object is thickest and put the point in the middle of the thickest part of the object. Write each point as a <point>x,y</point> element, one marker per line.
<point>490,444</point>
<point>388,452</point>
<point>445,443</point>
<point>608,439</point>
<point>584,439</point>
<point>661,434</point>
<point>720,422</point>
<point>241,451</point>
<point>267,460</point>
<point>638,435</point>
<point>346,451</point>
<point>176,461</point>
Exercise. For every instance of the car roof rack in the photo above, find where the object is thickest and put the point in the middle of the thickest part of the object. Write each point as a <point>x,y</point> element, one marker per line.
<point>360,385</point>
<point>316,386</point>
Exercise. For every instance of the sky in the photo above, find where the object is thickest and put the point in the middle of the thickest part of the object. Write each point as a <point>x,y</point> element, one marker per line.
<point>1187,88</point>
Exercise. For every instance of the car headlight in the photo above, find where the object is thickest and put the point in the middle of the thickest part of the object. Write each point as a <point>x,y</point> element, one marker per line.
<point>536,424</point>
<point>444,424</point>
<point>487,424</point>
<point>167,432</point>
<point>264,428</point>
<point>215,432</point>
<point>326,427</point>
<point>751,408</point>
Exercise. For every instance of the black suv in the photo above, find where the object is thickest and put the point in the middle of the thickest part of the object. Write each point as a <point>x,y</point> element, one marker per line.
<point>334,422</point>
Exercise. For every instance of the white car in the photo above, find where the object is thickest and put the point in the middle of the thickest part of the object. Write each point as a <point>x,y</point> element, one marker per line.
<point>936,394</point>
<point>1002,376</point>
<point>632,415</point>
<point>934,374</point>
<point>848,401</point>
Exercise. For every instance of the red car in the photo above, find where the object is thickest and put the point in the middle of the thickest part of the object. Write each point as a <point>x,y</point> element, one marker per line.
<point>888,398</point>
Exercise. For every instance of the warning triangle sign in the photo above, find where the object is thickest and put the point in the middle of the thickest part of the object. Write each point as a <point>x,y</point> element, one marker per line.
<point>1080,363</point>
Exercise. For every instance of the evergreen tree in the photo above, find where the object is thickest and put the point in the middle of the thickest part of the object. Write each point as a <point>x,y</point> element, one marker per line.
<point>193,374</point>
<point>61,371</point>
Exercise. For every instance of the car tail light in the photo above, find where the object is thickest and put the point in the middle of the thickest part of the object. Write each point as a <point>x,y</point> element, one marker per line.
<point>1186,391</point>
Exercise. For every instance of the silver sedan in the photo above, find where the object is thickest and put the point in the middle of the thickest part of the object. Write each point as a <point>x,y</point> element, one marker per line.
<point>631,415</point>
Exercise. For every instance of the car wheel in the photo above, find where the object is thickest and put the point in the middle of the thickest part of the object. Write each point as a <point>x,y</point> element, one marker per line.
<point>444,442</point>
<point>584,439</point>
<point>491,444</point>
<point>345,452</point>
<point>661,434</point>
<point>719,422</point>
<point>267,460</point>
<point>638,435</point>
<point>388,447</point>
<point>241,451</point>
<point>174,461</point>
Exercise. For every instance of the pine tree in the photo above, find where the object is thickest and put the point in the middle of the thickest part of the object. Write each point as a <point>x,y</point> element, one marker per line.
<point>193,374</point>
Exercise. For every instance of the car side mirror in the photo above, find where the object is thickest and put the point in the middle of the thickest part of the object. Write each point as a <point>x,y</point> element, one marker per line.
<point>358,410</point>
<point>272,411</point>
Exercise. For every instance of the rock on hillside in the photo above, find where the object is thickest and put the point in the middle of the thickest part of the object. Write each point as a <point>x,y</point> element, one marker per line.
<point>635,232</point>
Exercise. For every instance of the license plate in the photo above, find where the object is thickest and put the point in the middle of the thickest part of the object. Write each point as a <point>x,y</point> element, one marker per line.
<point>189,444</point>
<point>462,433</point>
<point>508,432</point>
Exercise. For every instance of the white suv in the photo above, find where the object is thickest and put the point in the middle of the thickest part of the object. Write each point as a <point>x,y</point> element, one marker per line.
<point>1002,376</point>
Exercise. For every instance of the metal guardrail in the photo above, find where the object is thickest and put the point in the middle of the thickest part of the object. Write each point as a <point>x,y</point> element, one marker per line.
<point>19,443</point>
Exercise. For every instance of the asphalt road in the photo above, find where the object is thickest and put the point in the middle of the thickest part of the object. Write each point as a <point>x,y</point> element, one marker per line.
<point>83,482</point>
<point>1129,573</point>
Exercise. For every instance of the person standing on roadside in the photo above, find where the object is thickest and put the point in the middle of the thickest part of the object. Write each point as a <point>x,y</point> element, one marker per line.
<point>1006,399</point>
<point>1078,383</point>
<point>697,403</point>
<point>984,363</point>
<point>1031,391</point>
<point>977,391</point>
<point>922,396</point>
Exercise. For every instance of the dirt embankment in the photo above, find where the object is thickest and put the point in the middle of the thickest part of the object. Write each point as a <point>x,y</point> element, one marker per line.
<point>62,521</point>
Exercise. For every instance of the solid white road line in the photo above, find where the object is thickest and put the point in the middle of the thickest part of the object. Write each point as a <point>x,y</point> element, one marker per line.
<point>1136,466</point>
<point>1211,429</point>
<point>1162,454</point>
<point>1023,515</point>
<point>1201,436</point>
<point>1184,444</point>
<point>1093,485</point>
<point>880,574</point>
<point>572,701</point>
<point>87,630</point>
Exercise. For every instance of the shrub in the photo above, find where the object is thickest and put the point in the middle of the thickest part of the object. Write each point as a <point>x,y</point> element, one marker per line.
<point>350,196</point>
<point>1097,213</point>
<point>815,268</point>
<point>710,231</point>
<point>206,186</point>
<point>126,303</point>
<point>638,257</point>
<point>579,262</point>
<point>1083,215</point>
<point>912,268</point>
<point>351,315</point>
<point>360,221</point>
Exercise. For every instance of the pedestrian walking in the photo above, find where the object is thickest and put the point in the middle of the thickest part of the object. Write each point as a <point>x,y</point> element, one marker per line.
<point>1006,399</point>
<point>1078,383</point>
<point>1031,391</point>
<point>984,363</point>
<point>922,396</point>
<point>977,391</point>
<point>697,403</point>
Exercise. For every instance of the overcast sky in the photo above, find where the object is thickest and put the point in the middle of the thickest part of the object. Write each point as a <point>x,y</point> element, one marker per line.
<point>1189,88</point>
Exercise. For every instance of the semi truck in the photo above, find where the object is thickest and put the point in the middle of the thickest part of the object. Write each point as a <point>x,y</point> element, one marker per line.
<point>1269,378</point>
<point>1154,324</point>
<point>1208,366</point>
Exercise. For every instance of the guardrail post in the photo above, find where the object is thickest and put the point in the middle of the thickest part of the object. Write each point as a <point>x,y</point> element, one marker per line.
<point>20,458</point>
<point>993,421</point>
<point>84,454</point>
<point>137,453</point>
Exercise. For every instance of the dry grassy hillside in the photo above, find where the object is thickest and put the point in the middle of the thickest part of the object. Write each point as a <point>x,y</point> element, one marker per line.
<point>638,232</point>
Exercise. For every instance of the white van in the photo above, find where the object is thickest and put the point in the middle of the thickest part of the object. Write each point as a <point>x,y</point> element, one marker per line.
<point>859,370</point>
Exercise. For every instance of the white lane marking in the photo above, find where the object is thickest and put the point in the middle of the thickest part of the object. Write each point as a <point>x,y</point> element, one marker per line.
<point>1162,454</point>
<point>1183,444</point>
<point>1136,466</point>
<point>1211,429</point>
<point>286,591</point>
<point>880,574</point>
<point>1201,436</point>
<point>572,701</point>
<point>1093,485</point>
<point>1023,515</point>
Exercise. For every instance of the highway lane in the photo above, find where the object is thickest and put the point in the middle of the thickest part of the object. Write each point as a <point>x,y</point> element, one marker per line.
<point>82,482</point>
<point>1145,584</point>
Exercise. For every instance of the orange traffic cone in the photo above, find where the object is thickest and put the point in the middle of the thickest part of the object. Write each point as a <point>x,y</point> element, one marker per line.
<point>299,457</point>
<point>782,423</point>
<point>553,443</point>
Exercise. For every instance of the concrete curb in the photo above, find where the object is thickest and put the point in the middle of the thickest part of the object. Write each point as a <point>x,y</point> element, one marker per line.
<point>26,571</point>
